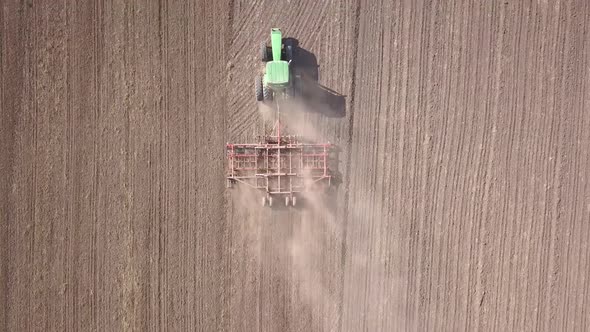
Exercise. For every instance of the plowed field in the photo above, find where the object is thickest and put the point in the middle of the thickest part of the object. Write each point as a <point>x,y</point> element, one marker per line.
<point>462,200</point>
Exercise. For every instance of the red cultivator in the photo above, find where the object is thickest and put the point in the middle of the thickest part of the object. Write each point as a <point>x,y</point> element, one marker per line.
<point>281,166</point>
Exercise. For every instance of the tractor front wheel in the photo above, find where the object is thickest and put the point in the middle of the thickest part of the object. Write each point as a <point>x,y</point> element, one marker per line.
<point>259,89</point>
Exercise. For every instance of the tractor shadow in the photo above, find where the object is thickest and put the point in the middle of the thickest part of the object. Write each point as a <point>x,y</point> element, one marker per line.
<point>317,98</point>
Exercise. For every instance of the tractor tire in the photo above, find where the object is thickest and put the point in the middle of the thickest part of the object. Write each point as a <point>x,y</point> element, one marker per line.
<point>265,52</point>
<point>286,200</point>
<point>270,201</point>
<point>263,201</point>
<point>267,93</point>
<point>294,200</point>
<point>259,88</point>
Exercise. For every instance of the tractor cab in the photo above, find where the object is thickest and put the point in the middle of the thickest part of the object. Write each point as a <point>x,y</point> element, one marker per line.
<point>276,78</point>
<point>277,74</point>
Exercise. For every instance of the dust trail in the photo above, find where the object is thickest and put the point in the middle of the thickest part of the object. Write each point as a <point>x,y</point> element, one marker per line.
<point>314,227</point>
<point>314,250</point>
<point>246,201</point>
<point>267,113</point>
<point>294,119</point>
<point>314,247</point>
<point>319,240</point>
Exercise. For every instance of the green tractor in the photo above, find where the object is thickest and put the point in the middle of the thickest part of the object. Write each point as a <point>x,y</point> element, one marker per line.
<point>277,77</point>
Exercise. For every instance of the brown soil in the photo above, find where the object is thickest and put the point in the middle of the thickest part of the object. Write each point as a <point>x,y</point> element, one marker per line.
<point>464,200</point>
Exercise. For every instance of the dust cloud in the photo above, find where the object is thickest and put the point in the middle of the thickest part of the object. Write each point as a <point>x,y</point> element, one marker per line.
<point>318,243</point>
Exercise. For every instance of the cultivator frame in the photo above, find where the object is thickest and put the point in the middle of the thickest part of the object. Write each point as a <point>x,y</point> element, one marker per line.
<point>280,166</point>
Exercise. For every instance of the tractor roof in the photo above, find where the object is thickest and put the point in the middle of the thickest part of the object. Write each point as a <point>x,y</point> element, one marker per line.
<point>277,72</point>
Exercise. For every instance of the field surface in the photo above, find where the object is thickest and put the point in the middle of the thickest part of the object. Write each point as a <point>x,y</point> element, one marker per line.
<point>463,193</point>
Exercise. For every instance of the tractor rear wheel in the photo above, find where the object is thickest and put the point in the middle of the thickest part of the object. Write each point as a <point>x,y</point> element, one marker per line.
<point>259,88</point>
<point>267,93</point>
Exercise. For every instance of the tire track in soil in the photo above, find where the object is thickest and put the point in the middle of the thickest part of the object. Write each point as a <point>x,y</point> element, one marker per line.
<point>491,101</point>
<point>70,191</point>
<point>114,171</point>
<point>6,147</point>
<point>50,205</point>
<point>351,110</point>
<point>12,54</point>
<point>33,203</point>
<point>532,288</point>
